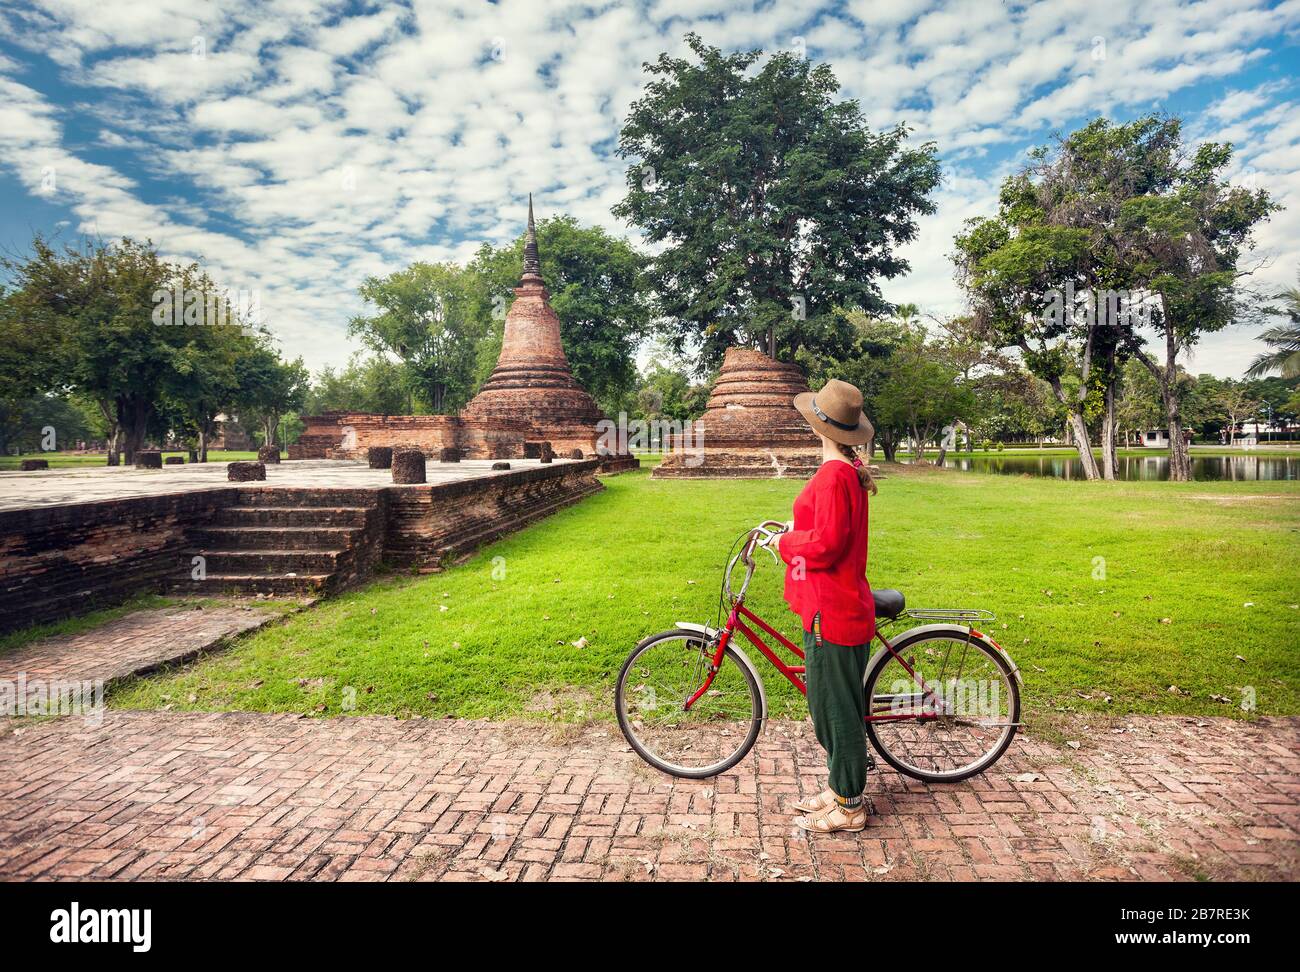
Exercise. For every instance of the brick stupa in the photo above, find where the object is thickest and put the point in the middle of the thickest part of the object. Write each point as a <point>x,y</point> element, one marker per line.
<point>530,398</point>
<point>750,428</point>
<point>532,383</point>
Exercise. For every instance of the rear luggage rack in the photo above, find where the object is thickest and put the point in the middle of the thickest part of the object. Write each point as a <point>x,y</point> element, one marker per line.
<point>966,615</point>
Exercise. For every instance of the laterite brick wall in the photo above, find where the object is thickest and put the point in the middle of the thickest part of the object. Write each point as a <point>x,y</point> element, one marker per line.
<point>59,561</point>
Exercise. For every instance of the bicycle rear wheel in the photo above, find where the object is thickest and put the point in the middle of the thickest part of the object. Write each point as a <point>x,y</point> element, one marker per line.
<point>966,721</point>
<point>660,675</point>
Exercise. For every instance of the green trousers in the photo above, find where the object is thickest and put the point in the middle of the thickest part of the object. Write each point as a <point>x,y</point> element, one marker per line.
<point>838,708</point>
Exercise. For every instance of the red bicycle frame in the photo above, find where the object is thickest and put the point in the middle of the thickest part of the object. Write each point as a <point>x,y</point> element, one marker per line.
<point>796,673</point>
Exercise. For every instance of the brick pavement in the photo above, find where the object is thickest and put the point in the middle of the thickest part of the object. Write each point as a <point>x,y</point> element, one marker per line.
<point>278,797</point>
<point>135,643</point>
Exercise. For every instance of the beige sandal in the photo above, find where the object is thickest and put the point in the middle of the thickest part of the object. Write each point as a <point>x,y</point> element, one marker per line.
<point>816,804</point>
<point>837,818</point>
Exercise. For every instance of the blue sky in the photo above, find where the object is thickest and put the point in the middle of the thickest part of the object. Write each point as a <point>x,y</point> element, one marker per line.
<point>298,146</point>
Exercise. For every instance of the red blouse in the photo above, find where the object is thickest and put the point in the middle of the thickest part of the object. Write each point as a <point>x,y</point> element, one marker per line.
<point>827,556</point>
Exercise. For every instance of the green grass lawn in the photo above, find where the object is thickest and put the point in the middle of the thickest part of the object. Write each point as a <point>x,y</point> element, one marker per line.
<point>66,460</point>
<point>495,636</point>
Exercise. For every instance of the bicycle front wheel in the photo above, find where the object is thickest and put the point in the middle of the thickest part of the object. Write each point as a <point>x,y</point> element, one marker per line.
<point>658,680</point>
<point>951,720</point>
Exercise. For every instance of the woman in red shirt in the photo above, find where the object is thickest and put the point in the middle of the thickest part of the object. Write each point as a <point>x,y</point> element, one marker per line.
<point>826,585</point>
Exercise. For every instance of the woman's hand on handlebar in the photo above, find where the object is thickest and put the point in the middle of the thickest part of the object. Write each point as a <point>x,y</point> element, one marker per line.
<point>768,532</point>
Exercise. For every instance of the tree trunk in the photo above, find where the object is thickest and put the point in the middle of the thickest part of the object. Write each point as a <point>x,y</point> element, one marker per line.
<point>109,411</point>
<point>1076,430</point>
<point>1079,432</point>
<point>1109,458</point>
<point>1180,458</point>
<point>890,447</point>
<point>136,412</point>
<point>203,442</point>
<point>115,446</point>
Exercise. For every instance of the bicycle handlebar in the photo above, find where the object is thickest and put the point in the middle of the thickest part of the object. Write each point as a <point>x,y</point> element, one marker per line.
<point>766,530</point>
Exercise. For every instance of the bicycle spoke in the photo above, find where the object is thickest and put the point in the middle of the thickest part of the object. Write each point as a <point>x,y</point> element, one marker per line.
<point>964,717</point>
<point>660,681</point>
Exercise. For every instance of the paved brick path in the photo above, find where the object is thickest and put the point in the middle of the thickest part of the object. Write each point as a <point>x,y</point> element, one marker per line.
<point>137,642</point>
<point>251,796</point>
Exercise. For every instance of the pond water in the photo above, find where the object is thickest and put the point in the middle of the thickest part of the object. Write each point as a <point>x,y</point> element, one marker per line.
<point>1244,467</point>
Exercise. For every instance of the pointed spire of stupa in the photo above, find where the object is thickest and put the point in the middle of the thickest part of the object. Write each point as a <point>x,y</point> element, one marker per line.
<point>532,262</point>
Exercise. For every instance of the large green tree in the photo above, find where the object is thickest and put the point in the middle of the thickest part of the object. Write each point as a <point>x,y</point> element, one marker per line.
<point>268,387</point>
<point>1164,221</point>
<point>1120,217</point>
<point>111,321</point>
<point>770,202</point>
<point>431,317</point>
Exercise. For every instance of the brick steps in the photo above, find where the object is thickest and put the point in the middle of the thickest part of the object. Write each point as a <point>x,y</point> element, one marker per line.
<point>273,516</point>
<point>302,498</point>
<point>290,542</point>
<point>288,585</point>
<point>269,561</point>
<point>273,538</point>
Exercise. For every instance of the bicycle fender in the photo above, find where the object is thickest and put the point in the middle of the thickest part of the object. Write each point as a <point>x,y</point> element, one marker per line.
<point>956,631</point>
<point>710,633</point>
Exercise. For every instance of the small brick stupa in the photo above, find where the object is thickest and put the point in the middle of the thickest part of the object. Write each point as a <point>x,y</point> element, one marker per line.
<point>530,401</point>
<point>532,386</point>
<point>750,428</point>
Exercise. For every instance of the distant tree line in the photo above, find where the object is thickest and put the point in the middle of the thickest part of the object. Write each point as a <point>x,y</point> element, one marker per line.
<point>110,341</point>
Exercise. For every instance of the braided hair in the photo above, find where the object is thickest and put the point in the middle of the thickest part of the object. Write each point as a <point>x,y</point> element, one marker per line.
<point>853,455</point>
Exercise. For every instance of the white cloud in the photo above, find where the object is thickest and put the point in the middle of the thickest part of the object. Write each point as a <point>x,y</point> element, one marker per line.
<point>322,144</point>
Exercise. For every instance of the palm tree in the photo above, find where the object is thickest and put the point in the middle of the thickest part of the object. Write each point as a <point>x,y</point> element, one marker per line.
<point>1283,339</point>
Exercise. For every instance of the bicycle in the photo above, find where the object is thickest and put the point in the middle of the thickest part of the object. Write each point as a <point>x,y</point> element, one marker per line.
<point>692,704</point>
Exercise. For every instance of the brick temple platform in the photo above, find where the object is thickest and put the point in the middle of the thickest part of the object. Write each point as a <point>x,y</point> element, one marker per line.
<point>88,484</point>
<point>274,797</point>
<point>75,539</point>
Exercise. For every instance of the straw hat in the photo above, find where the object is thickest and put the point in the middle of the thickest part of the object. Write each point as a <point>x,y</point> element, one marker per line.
<point>836,412</point>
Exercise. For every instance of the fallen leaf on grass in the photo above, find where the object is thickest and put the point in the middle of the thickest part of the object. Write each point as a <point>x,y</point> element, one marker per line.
<point>580,643</point>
